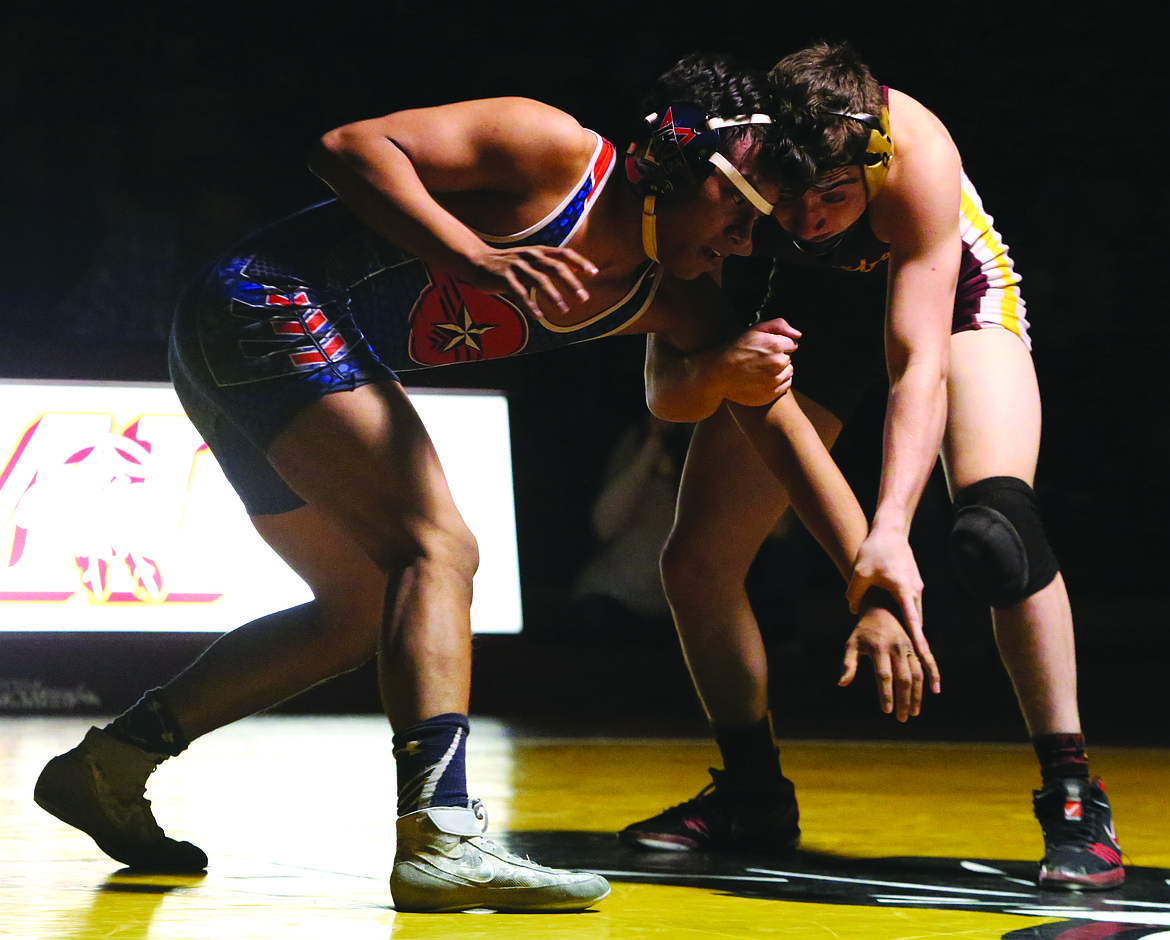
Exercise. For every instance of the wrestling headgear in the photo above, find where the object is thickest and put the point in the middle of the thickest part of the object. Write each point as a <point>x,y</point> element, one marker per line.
<point>679,151</point>
<point>879,149</point>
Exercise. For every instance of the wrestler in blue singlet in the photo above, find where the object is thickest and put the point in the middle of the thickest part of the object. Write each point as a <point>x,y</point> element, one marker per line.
<point>318,303</point>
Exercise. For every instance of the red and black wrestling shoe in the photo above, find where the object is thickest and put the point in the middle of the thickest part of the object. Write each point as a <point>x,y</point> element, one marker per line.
<point>1080,846</point>
<point>724,817</point>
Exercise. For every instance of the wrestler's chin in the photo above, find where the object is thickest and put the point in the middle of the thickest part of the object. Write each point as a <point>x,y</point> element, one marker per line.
<point>692,268</point>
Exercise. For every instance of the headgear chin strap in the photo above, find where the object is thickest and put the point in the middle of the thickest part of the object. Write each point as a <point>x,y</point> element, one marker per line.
<point>681,143</point>
<point>879,149</point>
<point>649,228</point>
<point>727,168</point>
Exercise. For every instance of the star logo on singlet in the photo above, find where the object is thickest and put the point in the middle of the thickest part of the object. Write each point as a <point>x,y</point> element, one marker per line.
<point>466,333</point>
<point>453,322</point>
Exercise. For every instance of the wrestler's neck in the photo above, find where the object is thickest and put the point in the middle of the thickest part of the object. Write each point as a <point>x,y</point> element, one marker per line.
<point>612,234</point>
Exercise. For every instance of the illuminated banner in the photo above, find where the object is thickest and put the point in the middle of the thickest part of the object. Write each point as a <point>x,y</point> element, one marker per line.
<point>114,515</point>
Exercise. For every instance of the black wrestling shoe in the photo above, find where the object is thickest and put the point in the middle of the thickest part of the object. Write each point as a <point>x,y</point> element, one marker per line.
<point>1080,846</point>
<point>724,817</point>
<point>99,787</point>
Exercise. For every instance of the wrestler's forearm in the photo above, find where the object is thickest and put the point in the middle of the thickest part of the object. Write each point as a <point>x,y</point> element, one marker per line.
<point>678,385</point>
<point>914,425</point>
<point>816,488</point>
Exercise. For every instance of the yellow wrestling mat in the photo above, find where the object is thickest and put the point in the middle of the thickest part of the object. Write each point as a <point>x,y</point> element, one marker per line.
<point>297,815</point>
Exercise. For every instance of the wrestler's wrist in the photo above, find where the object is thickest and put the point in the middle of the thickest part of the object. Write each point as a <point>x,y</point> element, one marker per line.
<point>883,599</point>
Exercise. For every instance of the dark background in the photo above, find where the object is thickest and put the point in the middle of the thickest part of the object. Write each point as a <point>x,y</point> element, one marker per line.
<point>138,139</point>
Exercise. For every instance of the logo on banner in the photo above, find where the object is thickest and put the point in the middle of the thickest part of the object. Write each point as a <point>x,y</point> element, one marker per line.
<point>86,508</point>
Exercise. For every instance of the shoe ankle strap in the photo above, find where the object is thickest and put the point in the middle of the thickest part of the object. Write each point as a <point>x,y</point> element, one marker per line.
<point>470,820</point>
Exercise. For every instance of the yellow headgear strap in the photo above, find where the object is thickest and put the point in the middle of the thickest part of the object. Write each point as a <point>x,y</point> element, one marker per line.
<point>878,154</point>
<point>649,229</point>
<point>879,149</point>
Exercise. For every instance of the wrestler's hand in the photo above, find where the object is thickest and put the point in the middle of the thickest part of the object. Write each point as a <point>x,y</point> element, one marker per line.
<point>756,367</point>
<point>886,562</point>
<point>898,669</point>
<point>523,274</point>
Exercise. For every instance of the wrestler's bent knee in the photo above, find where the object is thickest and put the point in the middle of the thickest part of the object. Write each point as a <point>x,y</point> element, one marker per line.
<point>998,546</point>
<point>694,569</point>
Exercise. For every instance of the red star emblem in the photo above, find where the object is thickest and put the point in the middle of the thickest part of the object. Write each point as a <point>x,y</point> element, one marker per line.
<point>452,322</point>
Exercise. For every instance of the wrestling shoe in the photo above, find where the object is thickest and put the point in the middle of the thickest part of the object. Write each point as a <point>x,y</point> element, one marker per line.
<point>99,787</point>
<point>444,864</point>
<point>724,818</point>
<point>1080,846</point>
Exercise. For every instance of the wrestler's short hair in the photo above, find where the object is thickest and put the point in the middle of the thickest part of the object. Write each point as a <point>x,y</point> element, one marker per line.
<point>816,90</point>
<point>699,87</point>
<point>718,85</point>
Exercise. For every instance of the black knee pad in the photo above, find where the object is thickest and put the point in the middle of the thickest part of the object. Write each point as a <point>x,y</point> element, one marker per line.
<point>998,545</point>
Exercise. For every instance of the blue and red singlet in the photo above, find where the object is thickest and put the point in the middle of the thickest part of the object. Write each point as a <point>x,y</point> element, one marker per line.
<point>317,303</point>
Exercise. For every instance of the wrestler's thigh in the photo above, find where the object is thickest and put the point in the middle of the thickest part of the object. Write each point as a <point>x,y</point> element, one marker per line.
<point>364,459</point>
<point>729,500</point>
<point>993,417</point>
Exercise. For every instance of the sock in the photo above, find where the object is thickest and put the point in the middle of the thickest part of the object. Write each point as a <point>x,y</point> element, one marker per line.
<point>431,758</point>
<point>1061,756</point>
<point>750,754</point>
<point>149,725</point>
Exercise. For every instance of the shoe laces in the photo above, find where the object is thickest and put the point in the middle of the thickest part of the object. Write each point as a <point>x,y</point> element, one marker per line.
<point>483,843</point>
<point>129,802</point>
<point>706,795</point>
<point>711,795</point>
<point>1052,812</point>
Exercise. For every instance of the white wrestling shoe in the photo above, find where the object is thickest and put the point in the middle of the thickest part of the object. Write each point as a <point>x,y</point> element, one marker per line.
<point>444,864</point>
